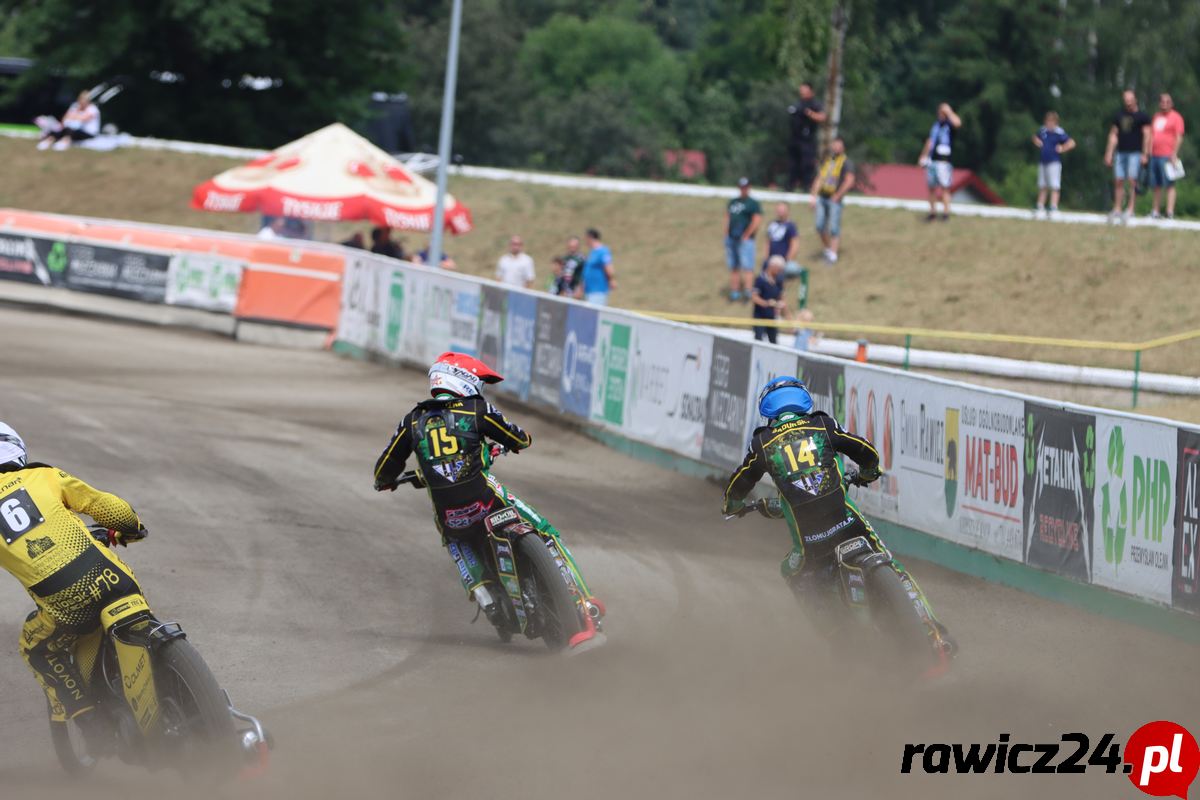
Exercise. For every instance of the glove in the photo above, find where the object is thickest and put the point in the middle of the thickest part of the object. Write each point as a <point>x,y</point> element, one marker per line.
<point>123,538</point>
<point>772,508</point>
<point>866,476</point>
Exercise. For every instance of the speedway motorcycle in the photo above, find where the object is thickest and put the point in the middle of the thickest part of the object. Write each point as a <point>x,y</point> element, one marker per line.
<point>157,698</point>
<point>871,600</point>
<point>541,595</point>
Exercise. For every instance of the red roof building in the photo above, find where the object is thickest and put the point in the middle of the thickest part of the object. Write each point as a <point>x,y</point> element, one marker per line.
<point>907,182</point>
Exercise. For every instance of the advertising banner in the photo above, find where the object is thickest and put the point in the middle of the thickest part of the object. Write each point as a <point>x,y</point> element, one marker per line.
<point>826,382</point>
<point>611,381</point>
<point>668,391</point>
<point>1185,584</point>
<point>443,315</point>
<point>1135,507</point>
<point>766,364</point>
<point>203,280</point>
<point>493,313</point>
<point>1059,488</point>
<point>873,412</point>
<point>121,273</point>
<point>985,437</point>
<point>579,360</point>
<point>728,384</point>
<point>31,260</point>
<point>520,325</point>
<point>549,335</point>
<point>362,304</point>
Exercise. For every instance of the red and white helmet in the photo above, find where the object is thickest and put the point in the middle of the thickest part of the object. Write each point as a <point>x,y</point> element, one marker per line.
<point>460,374</point>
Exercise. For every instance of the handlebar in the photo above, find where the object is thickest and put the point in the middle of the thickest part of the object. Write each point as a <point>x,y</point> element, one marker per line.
<point>105,536</point>
<point>411,476</point>
<point>849,479</point>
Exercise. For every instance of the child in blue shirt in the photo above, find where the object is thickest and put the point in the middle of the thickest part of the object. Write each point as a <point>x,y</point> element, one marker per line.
<point>1052,141</point>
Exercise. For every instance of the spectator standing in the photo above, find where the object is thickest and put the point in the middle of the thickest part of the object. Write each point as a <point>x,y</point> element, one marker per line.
<point>935,158</point>
<point>807,115</point>
<point>806,339</point>
<point>768,299</point>
<point>598,279</point>
<point>743,215</point>
<point>356,241</point>
<point>829,188</point>
<point>80,123</point>
<point>1166,136</point>
<point>571,274</point>
<point>1127,150</point>
<point>382,244</point>
<point>422,257</point>
<point>515,267</point>
<point>783,239</point>
<point>1052,141</point>
<point>275,229</point>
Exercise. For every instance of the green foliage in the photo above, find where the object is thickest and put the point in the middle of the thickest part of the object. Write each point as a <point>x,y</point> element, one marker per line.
<point>607,85</point>
<point>324,59</point>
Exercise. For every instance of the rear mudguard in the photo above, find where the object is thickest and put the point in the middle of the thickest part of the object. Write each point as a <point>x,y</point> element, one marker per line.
<point>136,636</point>
<point>548,532</point>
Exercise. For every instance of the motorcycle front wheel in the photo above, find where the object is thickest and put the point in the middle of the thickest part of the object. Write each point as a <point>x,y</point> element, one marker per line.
<point>71,748</point>
<point>556,611</point>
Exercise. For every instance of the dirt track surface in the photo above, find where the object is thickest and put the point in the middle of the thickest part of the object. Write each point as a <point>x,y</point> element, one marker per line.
<point>334,612</point>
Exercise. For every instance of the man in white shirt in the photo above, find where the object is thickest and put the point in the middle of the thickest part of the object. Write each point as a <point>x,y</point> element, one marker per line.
<point>515,267</point>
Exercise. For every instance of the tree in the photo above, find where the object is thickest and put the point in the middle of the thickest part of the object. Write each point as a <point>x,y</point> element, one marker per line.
<point>195,69</point>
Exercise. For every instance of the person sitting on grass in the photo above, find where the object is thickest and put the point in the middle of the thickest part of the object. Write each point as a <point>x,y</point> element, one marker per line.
<point>80,123</point>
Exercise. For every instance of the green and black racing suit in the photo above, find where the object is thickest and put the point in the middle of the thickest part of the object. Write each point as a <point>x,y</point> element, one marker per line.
<point>449,437</point>
<point>800,452</point>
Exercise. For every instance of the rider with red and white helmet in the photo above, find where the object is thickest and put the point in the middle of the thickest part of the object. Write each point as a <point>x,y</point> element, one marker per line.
<point>449,434</point>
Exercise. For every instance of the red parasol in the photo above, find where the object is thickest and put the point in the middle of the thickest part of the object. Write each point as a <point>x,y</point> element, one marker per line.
<point>331,174</point>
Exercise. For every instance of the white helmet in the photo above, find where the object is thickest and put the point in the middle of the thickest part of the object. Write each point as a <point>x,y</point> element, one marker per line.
<point>460,374</point>
<point>12,446</point>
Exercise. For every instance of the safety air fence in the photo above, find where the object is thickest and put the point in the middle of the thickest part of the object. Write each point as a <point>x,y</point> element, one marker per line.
<point>1086,505</point>
<point>1096,497</point>
<point>281,283</point>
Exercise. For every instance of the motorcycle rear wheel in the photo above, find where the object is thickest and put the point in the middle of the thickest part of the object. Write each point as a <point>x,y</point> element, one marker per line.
<point>558,613</point>
<point>896,614</point>
<point>194,708</point>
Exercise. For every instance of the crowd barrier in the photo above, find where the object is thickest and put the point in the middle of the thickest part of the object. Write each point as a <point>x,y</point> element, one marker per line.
<point>251,279</point>
<point>1100,498</point>
<point>1097,497</point>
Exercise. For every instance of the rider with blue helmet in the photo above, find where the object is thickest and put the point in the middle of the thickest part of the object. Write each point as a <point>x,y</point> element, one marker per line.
<point>798,448</point>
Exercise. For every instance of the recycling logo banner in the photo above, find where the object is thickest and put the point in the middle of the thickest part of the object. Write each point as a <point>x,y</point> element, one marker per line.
<point>1134,507</point>
<point>32,260</point>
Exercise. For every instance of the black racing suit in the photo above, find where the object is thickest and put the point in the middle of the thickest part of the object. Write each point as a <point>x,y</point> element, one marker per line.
<point>800,452</point>
<point>449,437</point>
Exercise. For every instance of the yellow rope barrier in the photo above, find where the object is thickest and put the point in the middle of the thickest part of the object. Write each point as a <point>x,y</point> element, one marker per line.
<point>928,333</point>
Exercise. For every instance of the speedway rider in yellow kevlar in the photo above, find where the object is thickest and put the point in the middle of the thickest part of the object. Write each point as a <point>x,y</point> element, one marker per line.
<point>70,576</point>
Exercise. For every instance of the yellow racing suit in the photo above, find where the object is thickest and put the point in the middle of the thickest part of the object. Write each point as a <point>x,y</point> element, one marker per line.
<point>68,574</point>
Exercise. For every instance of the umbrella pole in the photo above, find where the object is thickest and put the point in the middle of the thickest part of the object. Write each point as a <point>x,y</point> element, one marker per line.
<point>445,136</point>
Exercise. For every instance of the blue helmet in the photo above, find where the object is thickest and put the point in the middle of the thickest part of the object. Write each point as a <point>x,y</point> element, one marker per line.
<point>784,394</point>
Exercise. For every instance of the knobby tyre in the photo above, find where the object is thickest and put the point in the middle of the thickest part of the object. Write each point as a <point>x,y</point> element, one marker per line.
<point>558,612</point>
<point>192,699</point>
<point>70,748</point>
<point>896,613</point>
